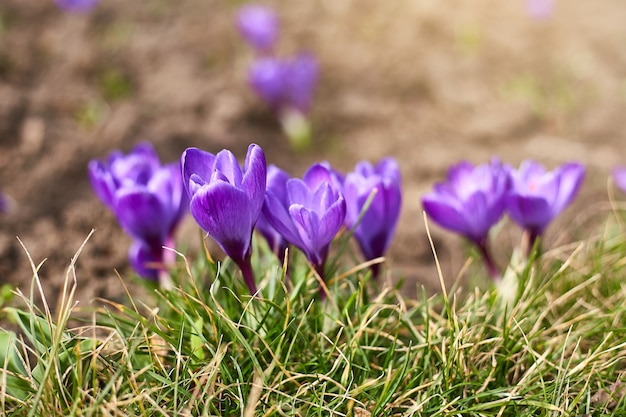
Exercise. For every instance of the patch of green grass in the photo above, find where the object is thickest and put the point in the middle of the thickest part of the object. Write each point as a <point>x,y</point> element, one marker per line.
<point>208,348</point>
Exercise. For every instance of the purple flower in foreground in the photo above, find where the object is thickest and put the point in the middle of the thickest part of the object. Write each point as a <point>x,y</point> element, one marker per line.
<point>226,201</point>
<point>537,196</point>
<point>146,197</point>
<point>311,215</point>
<point>470,202</point>
<point>258,25</point>
<point>285,85</point>
<point>619,176</point>
<point>540,9</point>
<point>376,229</point>
<point>76,5</point>
<point>277,184</point>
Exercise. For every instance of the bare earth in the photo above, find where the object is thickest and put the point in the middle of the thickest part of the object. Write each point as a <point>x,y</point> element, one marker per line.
<point>429,82</point>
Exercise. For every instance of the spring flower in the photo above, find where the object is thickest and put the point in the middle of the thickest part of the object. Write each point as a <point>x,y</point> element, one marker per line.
<point>79,6</point>
<point>376,229</point>
<point>287,87</point>
<point>259,26</point>
<point>277,184</point>
<point>146,197</point>
<point>537,196</point>
<point>470,202</point>
<point>4,203</point>
<point>311,216</point>
<point>226,201</point>
<point>619,176</point>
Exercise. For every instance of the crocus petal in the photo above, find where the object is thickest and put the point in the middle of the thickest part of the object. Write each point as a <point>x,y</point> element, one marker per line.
<point>317,174</point>
<point>570,179</point>
<point>223,211</point>
<point>228,166</point>
<point>266,77</point>
<point>198,163</point>
<point>255,178</point>
<point>102,182</point>
<point>530,212</point>
<point>307,224</point>
<point>277,214</point>
<point>140,212</point>
<point>444,214</point>
<point>331,222</point>
<point>301,81</point>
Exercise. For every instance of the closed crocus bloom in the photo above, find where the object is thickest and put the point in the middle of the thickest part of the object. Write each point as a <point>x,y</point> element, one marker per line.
<point>268,79</point>
<point>146,197</point>
<point>537,196</point>
<point>619,176</point>
<point>376,229</point>
<point>302,74</point>
<point>311,216</point>
<point>277,184</point>
<point>470,202</point>
<point>226,201</point>
<point>259,26</point>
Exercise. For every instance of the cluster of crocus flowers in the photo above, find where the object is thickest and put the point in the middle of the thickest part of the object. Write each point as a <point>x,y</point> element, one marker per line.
<point>285,84</point>
<point>148,200</point>
<point>474,199</point>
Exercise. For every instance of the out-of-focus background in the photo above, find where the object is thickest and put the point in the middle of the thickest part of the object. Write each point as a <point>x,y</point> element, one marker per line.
<point>429,82</point>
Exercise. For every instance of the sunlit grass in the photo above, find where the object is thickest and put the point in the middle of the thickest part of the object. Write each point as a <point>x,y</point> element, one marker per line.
<point>207,348</point>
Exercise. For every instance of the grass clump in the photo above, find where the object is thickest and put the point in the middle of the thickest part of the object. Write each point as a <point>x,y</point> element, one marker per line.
<point>207,348</point>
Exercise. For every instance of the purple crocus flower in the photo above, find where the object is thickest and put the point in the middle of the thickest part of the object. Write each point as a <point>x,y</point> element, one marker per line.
<point>285,85</point>
<point>470,202</point>
<point>79,6</point>
<point>146,197</point>
<point>277,184</point>
<point>4,203</point>
<point>311,215</point>
<point>226,201</point>
<point>376,229</point>
<point>537,196</point>
<point>619,176</point>
<point>259,26</point>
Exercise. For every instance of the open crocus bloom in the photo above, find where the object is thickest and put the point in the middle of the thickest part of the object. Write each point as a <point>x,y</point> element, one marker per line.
<point>259,26</point>
<point>537,196</point>
<point>146,197</point>
<point>376,229</point>
<point>225,200</point>
<point>311,215</point>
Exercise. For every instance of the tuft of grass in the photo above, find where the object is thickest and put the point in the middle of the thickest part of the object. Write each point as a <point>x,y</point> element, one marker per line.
<point>207,348</point>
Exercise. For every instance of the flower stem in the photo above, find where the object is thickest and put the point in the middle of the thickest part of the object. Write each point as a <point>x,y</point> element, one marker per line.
<point>248,274</point>
<point>320,271</point>
<point>489,262</point>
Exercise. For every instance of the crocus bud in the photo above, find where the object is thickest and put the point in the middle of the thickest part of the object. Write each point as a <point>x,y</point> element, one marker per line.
<point>259,26</point>
<point>376,229</point>
<point>146,197</point>
<point>226,201</point>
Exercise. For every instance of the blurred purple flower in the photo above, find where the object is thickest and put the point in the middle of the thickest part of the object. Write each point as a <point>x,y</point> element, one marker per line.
<point>470,202</point>
<point>376,229</point>
<point>76,5</point>
<point>4,203</point>
<point>285,85</point>
<point>277,184</point>
<point>619,176</point>
<point>226,201</point>
<point>146,197</point>
<point>536,196</point>
<point>540,9</point>
<point>311,216</point>
<point>259,26</point>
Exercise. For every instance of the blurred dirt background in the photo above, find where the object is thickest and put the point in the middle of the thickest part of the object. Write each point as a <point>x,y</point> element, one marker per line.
<point>429,82</point>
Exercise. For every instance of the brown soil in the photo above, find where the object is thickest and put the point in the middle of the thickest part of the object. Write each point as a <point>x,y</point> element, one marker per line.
<point>429,82</point>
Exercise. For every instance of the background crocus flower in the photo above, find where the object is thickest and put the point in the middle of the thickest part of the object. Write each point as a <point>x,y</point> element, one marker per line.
<point>259,26</point>
<point>537,196</point>
<point>619,176</point>
<point>470,202</point>
<point>226,201</point>
<point>146,197</point>
<point>540,9</point>
<point>376,229</point>
<point>76,5</point>
<point>311,216</point>
<point>277,184</point>
<point>4,203</point>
